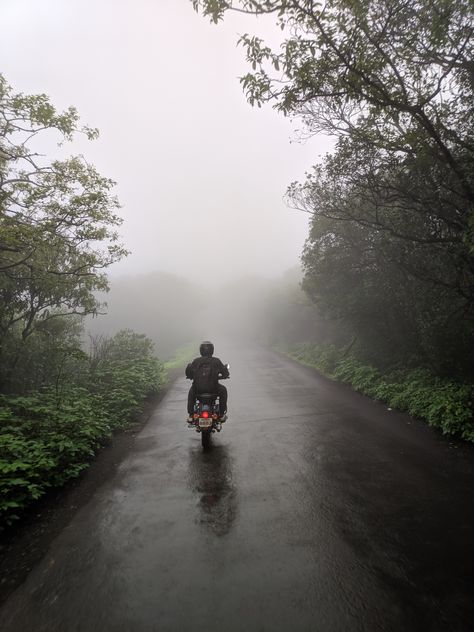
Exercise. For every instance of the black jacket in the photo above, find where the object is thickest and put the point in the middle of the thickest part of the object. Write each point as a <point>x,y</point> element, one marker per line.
<point>218,368</point>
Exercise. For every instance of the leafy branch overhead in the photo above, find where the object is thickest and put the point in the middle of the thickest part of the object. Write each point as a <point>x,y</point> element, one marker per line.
<point>401,70</point>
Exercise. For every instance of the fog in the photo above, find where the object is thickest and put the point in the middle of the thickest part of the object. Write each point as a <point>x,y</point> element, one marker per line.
<point>173,311</point>
<point>200,174</point>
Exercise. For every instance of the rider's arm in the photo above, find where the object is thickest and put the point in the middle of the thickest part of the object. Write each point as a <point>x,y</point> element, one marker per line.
<point>223,370</point>
<point>189,372</point>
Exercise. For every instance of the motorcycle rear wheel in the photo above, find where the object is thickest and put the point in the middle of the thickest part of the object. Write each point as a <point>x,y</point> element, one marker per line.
<point>205,439</point>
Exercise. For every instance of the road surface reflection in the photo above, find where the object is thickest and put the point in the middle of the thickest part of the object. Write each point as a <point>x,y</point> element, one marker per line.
<point>210,477</point>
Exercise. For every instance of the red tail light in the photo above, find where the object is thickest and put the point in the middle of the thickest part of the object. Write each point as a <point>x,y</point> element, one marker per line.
<point>205,414</point>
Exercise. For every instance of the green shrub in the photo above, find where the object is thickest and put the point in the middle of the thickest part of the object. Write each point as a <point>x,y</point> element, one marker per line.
<point>48,437</point>
<point>44,443</point>
<point>445,404</point>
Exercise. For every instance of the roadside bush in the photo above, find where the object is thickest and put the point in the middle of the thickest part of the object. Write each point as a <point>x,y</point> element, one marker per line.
<point>48,437</point>
<point>44,443</point>
<point>443,403</point>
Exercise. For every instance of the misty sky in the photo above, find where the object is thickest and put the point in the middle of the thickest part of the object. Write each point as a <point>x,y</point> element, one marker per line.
<point>200,174</point>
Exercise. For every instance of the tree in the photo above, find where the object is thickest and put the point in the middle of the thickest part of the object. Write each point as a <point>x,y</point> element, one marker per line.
<point>57,218</point>
<point>391,247</point>
<point>404,202</point>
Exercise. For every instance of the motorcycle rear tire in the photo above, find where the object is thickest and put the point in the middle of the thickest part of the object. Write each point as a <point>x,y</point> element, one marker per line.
<point>206,439</point>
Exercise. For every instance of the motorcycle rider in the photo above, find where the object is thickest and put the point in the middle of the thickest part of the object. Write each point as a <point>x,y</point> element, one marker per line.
<point>205,372</point>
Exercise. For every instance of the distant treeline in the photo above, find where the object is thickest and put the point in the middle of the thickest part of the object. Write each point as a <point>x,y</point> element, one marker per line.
<point>164,306</point>
<point>172,311</point>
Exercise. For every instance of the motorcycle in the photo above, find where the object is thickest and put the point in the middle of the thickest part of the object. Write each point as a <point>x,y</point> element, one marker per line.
<point>206,416</point>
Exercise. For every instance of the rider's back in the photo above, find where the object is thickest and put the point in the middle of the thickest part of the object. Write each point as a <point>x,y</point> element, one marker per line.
<point>205,371</point>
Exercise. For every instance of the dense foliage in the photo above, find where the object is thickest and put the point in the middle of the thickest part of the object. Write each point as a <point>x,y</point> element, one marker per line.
<point>49,436</point>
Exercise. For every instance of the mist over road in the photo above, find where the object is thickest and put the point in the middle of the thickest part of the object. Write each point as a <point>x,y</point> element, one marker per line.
<point>315,509</point>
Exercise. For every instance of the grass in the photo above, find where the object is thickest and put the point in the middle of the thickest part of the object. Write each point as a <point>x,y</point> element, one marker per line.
<point>182,356</point>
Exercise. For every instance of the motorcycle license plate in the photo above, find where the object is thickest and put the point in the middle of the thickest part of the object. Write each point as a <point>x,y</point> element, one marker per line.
<point>205,423</point>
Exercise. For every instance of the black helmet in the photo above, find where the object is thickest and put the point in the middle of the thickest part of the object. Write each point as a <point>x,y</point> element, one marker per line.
<point>206,348</point>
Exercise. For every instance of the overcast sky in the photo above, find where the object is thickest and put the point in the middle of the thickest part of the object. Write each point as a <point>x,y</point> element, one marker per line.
<point>200,174</point>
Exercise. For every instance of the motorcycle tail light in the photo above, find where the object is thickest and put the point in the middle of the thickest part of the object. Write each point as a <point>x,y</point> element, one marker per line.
<point>205,414</point>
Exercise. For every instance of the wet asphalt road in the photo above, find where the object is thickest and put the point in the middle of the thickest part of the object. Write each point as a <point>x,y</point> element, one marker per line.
<point>316,510</point>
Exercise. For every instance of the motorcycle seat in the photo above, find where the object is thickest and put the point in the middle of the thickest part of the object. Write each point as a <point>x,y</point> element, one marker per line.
<point>202,396</point>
